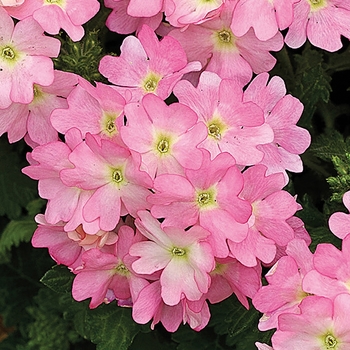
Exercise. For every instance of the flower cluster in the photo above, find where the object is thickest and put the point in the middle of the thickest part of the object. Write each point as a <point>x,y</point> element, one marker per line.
<point>307,297</point>
<point>164,207</point>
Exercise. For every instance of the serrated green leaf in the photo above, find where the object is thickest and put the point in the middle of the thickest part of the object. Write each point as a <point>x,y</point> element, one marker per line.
<point>17,231</point>
<point>312,82</point>
<point>59,279</point>
<point>111,327</point>
<point>21,230</point>
<point>230,318</point>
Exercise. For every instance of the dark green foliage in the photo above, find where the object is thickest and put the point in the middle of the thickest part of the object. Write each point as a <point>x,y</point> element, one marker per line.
<point>16,189</point>
<point>82,57</point>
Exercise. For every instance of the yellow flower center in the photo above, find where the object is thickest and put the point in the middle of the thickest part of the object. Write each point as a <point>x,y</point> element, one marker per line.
<point>178,251</point>
<point>117,176</point>
<point>225,36</point>
<point>224,40</point>
<point>214,131</point>
<point>216,128</point>
<point>330,341</point>
<point>316,5</point>
<point>150,83</point>
<point>206,199</point>
<point>8,53</point>
<point>121,269</point>
<point>162,143</point>
<point>163,146</point>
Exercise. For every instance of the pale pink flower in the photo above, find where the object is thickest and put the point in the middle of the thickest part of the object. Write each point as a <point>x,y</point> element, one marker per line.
<point>184,258</point>
<point>123,22</point>
<point>322,22</point>
<point>34,118</point>
<point>69,15</point>
<point>261,346</point>
<point>299,233</point>
<point>109,275</point>
<point>24,59</point>
<point>339,223</point>
<point>208,196</point>
<point>67,247</point>
<point>95,110</point>
<point>145,66</point>
<point>268,226</point>
<point>284,292</point>
<point>221,52</point>
<point>322,324</point>
<point>265,17</point>
<point>180,13</point>
<point>111,173</point>
<point>165,136</point>
<point>282,112</point>
<point>234,126</point>
<point>11,2</point>
<point>230,276</point>
<point>149,305</point>
<point>331,273</point>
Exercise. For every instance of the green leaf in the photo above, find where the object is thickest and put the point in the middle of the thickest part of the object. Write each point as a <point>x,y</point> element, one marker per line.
<point>59,279</point>
<point>81,57</point>
<point>16,189</point>
<point>20,230</point>
<point>17,231</point>
<point>232,319</point>
<point>312,82</point>
<point>111,327</point>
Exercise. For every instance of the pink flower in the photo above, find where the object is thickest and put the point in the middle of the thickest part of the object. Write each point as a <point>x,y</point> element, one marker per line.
<point>54,15</point>
<point>261,346</point>
<point>64,203</point>
<point>322,22</point>
<point>265,17</point>
<point>11,2</point>
<point>18,119</point>
<point>145,66</point>
<point>285,291</point>
<point>339,223</point>
<point>282,113</point>
<point>111,173</point>
<point>165,136</point>
<point>234,126</point>
<point>180,13</point>
<point>24,59</point>
<point>268,226</point>
<point>184,258</point>
<point>67,247</point>
<point>108,275</point>
<point>95,110</point>
<point>149,304</point>
<point>221,52</point>
<point>208,196</point>
<point>331,273</point>
<point>230,276</point>
<point>322,324</point>
<point>122,22</point>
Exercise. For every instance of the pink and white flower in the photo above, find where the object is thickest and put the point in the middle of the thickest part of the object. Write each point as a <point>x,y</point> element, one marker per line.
<point>69,15</point>
<point>145,66</point>
<point>323,22</point>
<point>165,136</point>
<point>184,258</point>
<point>24,59</point>
<point>321,324</point>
